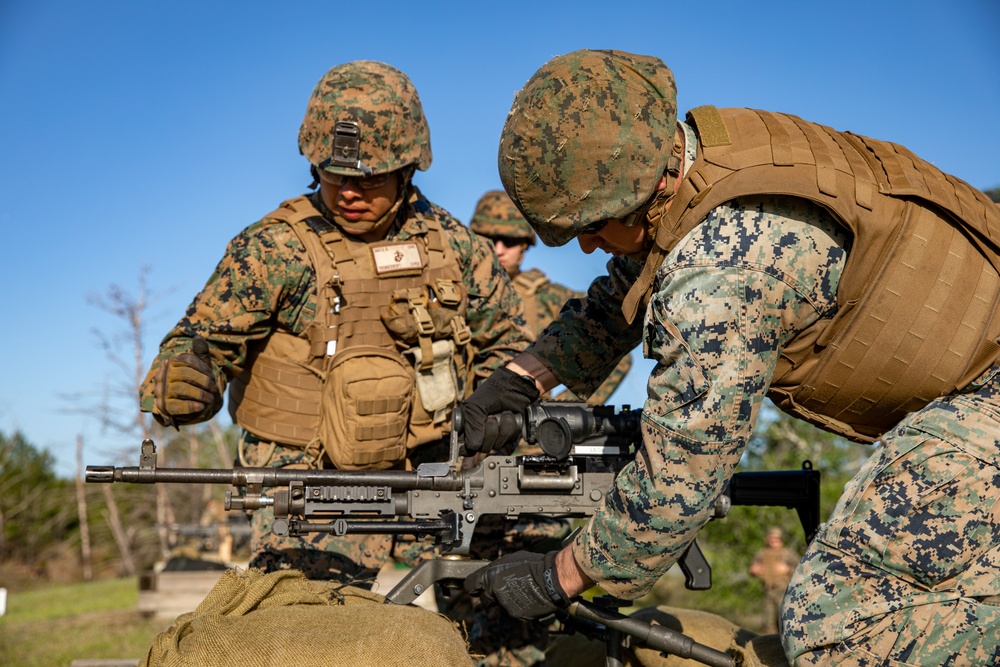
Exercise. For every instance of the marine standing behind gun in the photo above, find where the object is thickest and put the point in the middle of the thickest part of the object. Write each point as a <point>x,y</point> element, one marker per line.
<point>348,323</point>
<point>773,565</point>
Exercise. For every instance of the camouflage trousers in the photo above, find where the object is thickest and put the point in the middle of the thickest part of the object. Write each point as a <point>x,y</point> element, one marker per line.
<point>906,570</point>
<point>497,639</point>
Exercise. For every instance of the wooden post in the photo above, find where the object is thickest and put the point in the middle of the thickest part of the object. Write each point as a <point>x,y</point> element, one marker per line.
<point>81,510</point>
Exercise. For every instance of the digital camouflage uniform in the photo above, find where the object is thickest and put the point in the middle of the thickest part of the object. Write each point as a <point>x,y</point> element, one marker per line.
<point>549,299</point>
<point>906,569</point>
<point>738,286</point>
<point>496,217</point>
<point>266,283</point>
<point>268,265</point>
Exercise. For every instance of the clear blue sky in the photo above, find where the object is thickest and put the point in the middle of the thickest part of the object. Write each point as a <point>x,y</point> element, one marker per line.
<point>140,134</point>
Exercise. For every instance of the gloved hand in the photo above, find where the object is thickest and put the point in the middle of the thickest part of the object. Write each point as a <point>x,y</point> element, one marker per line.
<point>488,415</point>
<point>186,389</point>
<point>524,583</point>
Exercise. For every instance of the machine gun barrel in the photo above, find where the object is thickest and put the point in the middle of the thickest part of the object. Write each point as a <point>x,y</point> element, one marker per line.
<point>442,500</point>
<point>272,477</point>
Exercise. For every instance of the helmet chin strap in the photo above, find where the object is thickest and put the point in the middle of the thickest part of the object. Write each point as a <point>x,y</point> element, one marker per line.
<point>367,227</point>
<point>656,207</point>
<point>652,256</point>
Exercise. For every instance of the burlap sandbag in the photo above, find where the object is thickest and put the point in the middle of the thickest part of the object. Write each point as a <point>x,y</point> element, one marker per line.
<point>253,619</point>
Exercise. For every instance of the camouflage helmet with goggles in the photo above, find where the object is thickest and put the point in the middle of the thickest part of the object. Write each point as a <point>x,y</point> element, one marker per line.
<point>365,118</point>
<point>587,139</point>
<point>497,216</point>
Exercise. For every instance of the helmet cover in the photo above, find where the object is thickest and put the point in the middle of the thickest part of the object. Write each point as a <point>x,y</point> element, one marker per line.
<point>586,139</point>
<point>365,118</point>
<point>496,216</point>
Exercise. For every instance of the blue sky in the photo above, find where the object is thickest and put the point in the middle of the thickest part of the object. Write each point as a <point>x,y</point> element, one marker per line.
<point>142,134</point>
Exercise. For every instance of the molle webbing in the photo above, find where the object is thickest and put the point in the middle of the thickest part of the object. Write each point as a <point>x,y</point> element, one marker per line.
<point>282,401</point>
<point>278,395</point>
<point>918,313</point>
<point>527,284</point>
<point>348,286</point>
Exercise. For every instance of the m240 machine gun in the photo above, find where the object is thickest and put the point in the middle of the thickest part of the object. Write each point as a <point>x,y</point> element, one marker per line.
<point>583,447</point>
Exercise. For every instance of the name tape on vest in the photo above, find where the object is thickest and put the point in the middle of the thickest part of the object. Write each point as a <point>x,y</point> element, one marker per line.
<point>396,257</point>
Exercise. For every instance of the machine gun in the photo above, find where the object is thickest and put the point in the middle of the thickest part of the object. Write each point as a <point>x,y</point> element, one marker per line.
<point>440,500</point>
<point>583,449</point>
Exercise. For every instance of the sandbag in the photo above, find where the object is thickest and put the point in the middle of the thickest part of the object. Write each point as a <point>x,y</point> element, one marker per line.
<point>256,619</point>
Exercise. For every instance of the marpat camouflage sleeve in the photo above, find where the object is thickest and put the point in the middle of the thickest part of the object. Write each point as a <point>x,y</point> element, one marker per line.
<point>739,286</point>
<point>263,282</point>
<point>585,342</point>
<point>551,298</point>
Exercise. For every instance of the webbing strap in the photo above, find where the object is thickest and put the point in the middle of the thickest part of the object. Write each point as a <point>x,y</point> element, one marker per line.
<point>530,282</point>
<point>781,144</point>
<point>899,178</point>
<point>864,185</point>
<point>283,404</point>
<point>378,406</point>
<point>826,169</point>
<point>285,373</point>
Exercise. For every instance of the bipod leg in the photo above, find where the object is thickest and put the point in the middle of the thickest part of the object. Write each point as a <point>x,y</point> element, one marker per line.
<point>429,572</point>
<point>615,641</point>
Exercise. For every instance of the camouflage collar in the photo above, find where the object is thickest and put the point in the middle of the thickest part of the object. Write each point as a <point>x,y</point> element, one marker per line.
<point>690,146</point>
<point>411,222</point>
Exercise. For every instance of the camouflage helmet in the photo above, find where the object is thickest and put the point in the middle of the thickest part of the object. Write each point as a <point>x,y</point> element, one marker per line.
<point>365,118</point>
<point>587,139</point>
<point>496,216</point>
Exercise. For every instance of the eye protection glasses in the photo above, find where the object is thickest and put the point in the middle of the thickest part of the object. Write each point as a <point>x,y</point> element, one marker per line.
<point>363,182</point>
<point>595,227</point>
<point>626,221</point>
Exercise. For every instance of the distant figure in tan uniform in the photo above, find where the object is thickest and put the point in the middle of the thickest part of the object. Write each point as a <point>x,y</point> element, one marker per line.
<point>773,565</point>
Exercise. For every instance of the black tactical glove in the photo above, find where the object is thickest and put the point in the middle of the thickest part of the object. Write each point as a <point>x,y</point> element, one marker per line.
<point>186,389</point>
<point>488,415</point>
<point>524,583</point>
